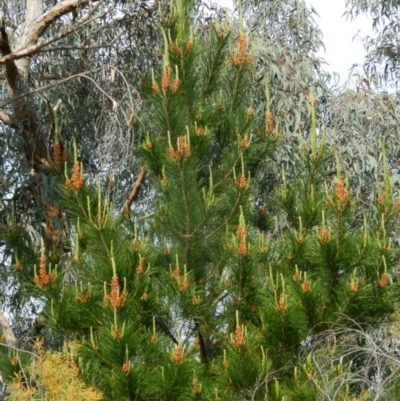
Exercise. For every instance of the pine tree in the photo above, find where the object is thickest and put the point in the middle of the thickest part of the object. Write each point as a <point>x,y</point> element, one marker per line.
<point>223,290</point>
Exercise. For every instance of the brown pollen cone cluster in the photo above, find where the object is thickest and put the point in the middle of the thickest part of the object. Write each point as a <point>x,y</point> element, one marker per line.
<point>189,46</point>
<point>244,143</point>
<point>384,281</point>
<point>18,266</point>
<point>183,152</point>
<point>117,334</point>
<point>140,269</point>
<point>200,131</point>
<point>270,123</point>
<point>115,299</point>
<point>60,155</point>
<point>156,88</point>
<point>179,51</point>
<point>242,182</point>
<point>241,57</point>
<point>44,279</point>
<point>166,78</point>
<point>76,180</point>
<point>84,297</point>
<point>51,213</point>
<point>176,274</point>
<point>175,49</point>
<point>184,285</point>
<point>126,366</point>
<point>178,354</point>
<point>196,386</point>
<point>306,286</point>
<point>176,84</point>
<point>353,286</point>
<point>57,154</point>
<point>242,234</point>
<point>239,338</point>
<point>137,247</point>
<point>282,307</point>
<point>329,201</point>
<point>325,236</point>
<point>341,195</point>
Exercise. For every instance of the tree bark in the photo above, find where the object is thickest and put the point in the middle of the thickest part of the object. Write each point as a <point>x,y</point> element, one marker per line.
<point>6,331</point>
<point>25,118</point>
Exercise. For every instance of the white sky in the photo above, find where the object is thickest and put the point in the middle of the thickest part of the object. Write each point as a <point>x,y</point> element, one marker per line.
<point>342,51</point>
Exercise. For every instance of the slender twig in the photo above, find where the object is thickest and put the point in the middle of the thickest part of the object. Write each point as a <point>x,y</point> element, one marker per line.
<point>49,86</point>
<point>18,349</point>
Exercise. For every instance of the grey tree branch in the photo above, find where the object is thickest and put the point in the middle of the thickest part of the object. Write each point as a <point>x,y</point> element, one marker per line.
<point>40,24</point>
<point>31,49</point>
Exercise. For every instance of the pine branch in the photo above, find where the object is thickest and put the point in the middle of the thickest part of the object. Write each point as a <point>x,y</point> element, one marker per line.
<point>216,64</point>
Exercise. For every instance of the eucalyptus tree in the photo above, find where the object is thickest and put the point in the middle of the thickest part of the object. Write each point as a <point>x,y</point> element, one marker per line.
<point>383,59</point>
<point>68,70</point>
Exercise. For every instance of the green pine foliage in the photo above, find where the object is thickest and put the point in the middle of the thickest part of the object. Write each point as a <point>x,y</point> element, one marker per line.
<point>221,292</point>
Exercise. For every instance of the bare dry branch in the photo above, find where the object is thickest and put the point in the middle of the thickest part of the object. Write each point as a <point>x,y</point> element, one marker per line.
<point>136,189</point>
<point>367,361</point>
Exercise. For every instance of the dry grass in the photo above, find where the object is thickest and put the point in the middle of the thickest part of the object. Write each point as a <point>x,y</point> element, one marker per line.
<point>52,376</point>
